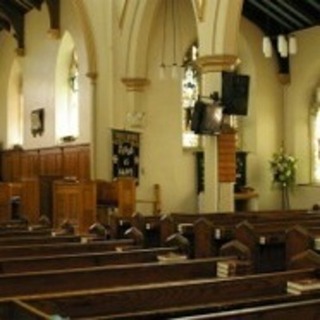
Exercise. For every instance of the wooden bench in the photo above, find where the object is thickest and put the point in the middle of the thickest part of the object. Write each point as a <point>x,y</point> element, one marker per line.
<point>157,229</point>
<point>42,239</point>
<point>63,248</point>
<point>207,236</point>
<point>169,299</point>
<point>59,281</point>
<point>81,260</point>
<point>277,243</point>
<point>290,309</point>
<point>224,222</point>
<point>25,232</point>
<point>302,244</point>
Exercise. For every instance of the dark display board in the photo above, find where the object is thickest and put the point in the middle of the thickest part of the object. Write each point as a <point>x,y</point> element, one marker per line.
<point>125,154</point>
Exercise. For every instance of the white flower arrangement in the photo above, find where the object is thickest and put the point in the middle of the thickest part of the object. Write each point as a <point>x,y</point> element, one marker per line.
<point>283,167</point>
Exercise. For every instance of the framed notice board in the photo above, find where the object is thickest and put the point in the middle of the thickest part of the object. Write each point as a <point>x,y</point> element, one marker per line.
<point>125,154</point>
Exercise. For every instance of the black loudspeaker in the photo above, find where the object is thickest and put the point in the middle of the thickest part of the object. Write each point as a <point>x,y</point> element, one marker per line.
<point>207,118</point>
<point>235,93</point>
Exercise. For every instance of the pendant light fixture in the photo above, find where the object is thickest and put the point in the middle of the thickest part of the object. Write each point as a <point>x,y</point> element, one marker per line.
<point>286,45</point>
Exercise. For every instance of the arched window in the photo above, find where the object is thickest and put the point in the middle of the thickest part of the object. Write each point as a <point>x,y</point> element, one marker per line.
<point>73,95</point>
<point>315,132</point>
<point>190,92</point>
<point>67,91</point>
<point>15,107</point>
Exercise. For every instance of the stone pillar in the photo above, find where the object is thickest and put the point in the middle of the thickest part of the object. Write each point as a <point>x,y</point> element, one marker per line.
<point>218,196</point>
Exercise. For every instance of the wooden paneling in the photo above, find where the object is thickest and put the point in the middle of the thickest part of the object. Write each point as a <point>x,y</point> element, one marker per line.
<point>37,169</point>
<point>75,202</point>
<point>58,161</point>
<point>29,163</point>
<point>227,157</point>
<point>46,195</point>
<point>120,194</point>
<point>50,161</point>
<point>126,196</point>
<point>76,162</point>
<point>84,162</point>
<point>30,199</point>
<point>11,165</point>
<point>70,162</point>
<point>7,191</point>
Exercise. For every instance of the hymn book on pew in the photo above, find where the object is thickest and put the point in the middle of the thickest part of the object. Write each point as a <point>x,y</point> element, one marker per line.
<point>303,285</point>
<point>172,257</point>
<point>233,268</point>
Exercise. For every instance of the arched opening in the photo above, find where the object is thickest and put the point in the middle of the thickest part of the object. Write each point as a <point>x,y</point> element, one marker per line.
<point>67,91</point>
<point>15,107</point>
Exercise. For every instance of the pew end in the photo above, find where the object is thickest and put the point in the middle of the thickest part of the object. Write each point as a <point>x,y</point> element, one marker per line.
<point>179,241</point>
<point>305,259</point>
<point>238,249</point>
<point>136,235</point>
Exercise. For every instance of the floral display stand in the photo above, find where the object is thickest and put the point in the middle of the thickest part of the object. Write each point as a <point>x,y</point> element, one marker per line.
<point>283,167</point>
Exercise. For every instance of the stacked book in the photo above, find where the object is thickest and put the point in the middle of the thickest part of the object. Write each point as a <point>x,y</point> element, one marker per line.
<point>233,268</point>
<point>303,285</point>
<point>172,257</point>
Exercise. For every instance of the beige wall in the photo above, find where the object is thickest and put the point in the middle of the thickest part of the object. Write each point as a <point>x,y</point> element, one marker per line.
<point>261,130</point>
<point>111,49</point>
<point>305,75</point>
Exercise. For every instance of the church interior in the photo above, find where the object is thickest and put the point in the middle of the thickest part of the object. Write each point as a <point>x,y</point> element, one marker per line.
<point>136,177</point>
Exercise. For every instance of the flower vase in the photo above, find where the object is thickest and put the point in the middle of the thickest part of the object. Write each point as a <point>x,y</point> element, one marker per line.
<point>285,201</point>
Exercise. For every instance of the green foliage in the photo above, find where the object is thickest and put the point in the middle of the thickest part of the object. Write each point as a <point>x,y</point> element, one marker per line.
<point>283,167</point>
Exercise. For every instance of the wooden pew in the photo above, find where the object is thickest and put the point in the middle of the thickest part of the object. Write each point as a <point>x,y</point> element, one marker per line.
<point>25,232</point>
<point>265,242</point>
<point>59,281</point>
<point>301,240</point>
<point>158,229</point>
<point>178,298</point>
<point>292,309</point>
<point>150,226</point>
<point>281,307</point>
<point>63,248</point>
<point>81,260</point>
<point>42,239</point>
<point>208,236</point>
<point>273,245</point>
<point>224,223</point>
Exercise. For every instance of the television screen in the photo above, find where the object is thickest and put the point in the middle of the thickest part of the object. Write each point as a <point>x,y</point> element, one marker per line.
<point>235,93</point>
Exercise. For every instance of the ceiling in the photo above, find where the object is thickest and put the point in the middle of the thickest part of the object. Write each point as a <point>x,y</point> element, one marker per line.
<point>275,17</point>
<point>12,13</point>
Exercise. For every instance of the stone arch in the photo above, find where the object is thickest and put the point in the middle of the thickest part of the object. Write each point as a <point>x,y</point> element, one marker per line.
<point>62,90</point>
<point>219,41</point>
<point>87,33</point>
<point>136,29</point>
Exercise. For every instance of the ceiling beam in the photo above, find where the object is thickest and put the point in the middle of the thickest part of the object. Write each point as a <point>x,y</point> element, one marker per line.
<point>270,14</point>
<point>284,14</point>
<point>16,20</point>
<point>314,3</point>
<point>297,13</point>
<point>54,14</point>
